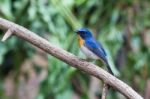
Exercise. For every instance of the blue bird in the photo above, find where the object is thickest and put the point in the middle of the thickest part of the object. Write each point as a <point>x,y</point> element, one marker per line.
<point>91,48</point>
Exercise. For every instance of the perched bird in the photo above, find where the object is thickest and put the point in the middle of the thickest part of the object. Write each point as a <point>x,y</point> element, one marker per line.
<point>91,48</point>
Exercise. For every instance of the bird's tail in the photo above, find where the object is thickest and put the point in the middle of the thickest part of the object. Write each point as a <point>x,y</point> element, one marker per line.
<point>109,68</point>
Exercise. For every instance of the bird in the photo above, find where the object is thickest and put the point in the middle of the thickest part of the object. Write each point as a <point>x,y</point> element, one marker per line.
<point>91,47</point>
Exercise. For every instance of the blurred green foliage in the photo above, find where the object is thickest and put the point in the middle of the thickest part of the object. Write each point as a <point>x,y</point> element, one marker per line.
<point>123,27</point>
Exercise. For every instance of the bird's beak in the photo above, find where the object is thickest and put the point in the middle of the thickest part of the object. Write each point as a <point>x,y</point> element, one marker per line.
<point>76,31</point>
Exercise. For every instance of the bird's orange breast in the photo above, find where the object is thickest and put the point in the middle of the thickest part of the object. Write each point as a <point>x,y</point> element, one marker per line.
<point>80,41</point>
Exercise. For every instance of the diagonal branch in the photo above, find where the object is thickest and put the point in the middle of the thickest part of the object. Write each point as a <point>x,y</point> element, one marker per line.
<point>69,58</point>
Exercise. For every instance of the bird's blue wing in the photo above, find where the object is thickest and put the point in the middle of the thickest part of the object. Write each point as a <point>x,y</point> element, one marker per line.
<point>102,48</point>
<point>96,48</point>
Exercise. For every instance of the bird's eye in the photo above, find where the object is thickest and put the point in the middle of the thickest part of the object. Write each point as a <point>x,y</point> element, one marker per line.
<point>83,33</point>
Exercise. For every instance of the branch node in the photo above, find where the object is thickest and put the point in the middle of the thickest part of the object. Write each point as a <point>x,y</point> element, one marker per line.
<point>7,35</point>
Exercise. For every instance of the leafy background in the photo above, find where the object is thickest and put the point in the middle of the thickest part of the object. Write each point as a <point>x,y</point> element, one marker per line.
<point>123,27</point>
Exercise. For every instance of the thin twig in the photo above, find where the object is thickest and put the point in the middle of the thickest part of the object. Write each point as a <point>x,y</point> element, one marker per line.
<point>105,90</point>
<point>70,59</point>
<point>147,90</point>
<point>7,35</point>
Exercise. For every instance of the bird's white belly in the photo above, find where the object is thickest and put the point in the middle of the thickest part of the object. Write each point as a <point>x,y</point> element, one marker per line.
<point>88,53</point>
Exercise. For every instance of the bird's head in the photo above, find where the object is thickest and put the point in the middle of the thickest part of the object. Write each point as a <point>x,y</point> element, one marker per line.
<point>84,33</point>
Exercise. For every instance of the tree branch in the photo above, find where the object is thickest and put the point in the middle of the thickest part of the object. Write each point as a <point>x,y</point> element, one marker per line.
<point>69,58</point>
